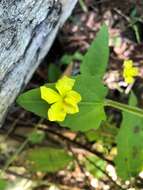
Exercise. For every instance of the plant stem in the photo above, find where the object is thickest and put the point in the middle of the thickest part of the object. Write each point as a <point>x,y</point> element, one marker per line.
<point>22,146</point>
<point>124,107</point>
<point>15,155</point>
<point>104,172</point>
<point>83,6</point>
<point>136,30</point>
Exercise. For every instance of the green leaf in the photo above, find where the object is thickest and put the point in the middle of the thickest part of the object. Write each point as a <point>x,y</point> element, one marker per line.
<point>78,56</point>
<point>53,73</point>
<point>48,159</point>
<point>36,137</point>
<point>91,88</point>
<point>89,117</point>
<point>96,59</point>
<point>129,159</point>
<point>3,184</point>
<point>132,99</point>
<point>66,59</point>
<point>32,101</point>
<point>106,133</point>
<point>134,13</point>
<point>91,108</point>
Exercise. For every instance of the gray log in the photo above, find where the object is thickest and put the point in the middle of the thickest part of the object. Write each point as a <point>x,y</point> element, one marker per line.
<point>27,31</point>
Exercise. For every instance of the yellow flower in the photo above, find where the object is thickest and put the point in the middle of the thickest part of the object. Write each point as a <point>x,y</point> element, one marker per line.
<point>63,101</point>
<point>129,72</point>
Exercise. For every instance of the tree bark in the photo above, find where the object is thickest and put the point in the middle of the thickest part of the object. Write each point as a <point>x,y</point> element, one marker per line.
<point>27,31</point>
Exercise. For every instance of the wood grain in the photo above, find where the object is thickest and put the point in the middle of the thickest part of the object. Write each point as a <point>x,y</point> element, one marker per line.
<point>27,31</point>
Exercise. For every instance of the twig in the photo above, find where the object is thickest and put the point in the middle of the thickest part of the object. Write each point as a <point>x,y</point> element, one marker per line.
<point>81,168</point>
<point>131,23</point>
<point>95,152</point>
<point>17,175</point>
<point>13,126</point>
<point>122,15</point>
<point>101,1</point>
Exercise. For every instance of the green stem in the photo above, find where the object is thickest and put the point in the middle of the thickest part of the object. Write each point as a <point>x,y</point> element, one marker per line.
<point>136,30</point>
<point>83,6</point>
<point>15,155</point>
<point>124,107</point>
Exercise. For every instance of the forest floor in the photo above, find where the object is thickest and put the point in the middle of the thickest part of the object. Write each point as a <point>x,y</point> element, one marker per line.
<point>124,19</point>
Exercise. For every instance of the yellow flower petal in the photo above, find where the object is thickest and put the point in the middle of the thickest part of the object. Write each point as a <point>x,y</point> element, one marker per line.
<point>64,85</point>
<point>49,95</point>
<point>56,112</point>
<point>64,101</point>
<point>128,64</point>
<point>70,109</point>
<point>129,80</point>
<point>72,97</point>
<point>135,71</point>
<point>129,72</point>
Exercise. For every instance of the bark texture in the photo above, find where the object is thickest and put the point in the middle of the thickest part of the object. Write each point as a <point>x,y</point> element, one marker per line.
<point>27,31</point>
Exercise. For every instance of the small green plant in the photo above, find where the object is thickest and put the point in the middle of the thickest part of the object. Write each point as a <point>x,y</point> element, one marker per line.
<point>79,103</point>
